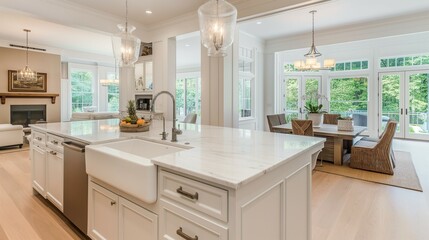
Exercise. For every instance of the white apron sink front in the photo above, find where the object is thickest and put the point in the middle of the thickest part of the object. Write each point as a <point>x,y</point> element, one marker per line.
<point>126,165</point>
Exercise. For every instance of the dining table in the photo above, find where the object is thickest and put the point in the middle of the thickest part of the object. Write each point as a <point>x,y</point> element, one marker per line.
<point>335,139</point>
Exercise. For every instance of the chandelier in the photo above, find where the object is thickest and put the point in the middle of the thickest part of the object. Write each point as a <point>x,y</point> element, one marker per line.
<point>107,82</point>
<point>26,74</point>
<point>126,46</point>
<point>217,20</point>
<point>311,63</point>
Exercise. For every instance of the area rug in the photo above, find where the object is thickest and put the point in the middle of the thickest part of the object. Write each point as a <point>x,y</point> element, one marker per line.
<point>25,147</point>
<point>405,175</point>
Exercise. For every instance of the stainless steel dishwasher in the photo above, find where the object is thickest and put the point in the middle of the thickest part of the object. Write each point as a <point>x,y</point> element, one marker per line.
<point>75,184</point>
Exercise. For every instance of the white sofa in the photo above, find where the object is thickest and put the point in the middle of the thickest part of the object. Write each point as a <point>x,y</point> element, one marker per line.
<point>79,116</point>
<point>11,135</point>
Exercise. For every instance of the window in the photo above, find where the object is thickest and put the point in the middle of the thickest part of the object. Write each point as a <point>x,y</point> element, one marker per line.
<point>85,93</point>
<point>246,83</point>
<point>82,89</point>
<point>349,97</point>
<point>112,95</point>
<point>188,94</point>
<point>351,66</point>
<point>406,61</point>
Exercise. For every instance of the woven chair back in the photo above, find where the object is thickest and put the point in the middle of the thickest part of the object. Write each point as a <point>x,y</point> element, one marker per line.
<point>302,127</point>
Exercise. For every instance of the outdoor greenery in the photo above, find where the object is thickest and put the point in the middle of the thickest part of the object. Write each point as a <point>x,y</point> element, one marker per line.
<point>188,96</point>
<point>348,95</point>
<point>82,90</point>
<point>113,98</point>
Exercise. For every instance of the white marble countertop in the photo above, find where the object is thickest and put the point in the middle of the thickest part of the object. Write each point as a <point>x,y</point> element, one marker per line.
<point>227,156</point>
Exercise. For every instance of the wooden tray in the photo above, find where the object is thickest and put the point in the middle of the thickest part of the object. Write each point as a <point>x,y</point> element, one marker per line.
<point>135,128</point>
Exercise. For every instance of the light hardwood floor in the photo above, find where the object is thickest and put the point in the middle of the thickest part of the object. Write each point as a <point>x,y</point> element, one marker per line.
<point>343,208</point>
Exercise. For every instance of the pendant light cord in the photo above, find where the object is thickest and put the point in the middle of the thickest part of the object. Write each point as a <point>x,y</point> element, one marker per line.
<point>26,30</point>
<point>126,16</point>
<point>312,12</point>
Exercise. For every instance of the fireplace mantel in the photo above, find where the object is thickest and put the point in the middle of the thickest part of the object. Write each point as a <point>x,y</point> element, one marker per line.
<point>52,96</point>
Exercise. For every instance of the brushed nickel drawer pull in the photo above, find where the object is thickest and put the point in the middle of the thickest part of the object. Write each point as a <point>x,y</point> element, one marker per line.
<point>112,203</point>
<point>54,142</point>
<point>53,153</point>
<point>184,235</point>
<point>39,138</point>
<point>186,194</point>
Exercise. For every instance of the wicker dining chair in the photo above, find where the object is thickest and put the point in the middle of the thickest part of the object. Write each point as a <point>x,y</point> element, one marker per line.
<point>305,127</point>
<point>375,156</point>
<point>275,120</point>
<point>302,127</point>
<point>330,118</point>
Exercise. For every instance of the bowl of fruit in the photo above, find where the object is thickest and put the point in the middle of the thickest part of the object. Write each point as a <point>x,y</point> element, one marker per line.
<point>132,123</point>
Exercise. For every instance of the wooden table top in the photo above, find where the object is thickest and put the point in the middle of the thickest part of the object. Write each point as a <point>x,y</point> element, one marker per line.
<point>329,130</point>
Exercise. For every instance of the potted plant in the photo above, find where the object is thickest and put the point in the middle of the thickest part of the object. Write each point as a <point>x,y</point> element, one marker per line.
<point>314,113</point>
<point>345,124</point>
<point>314,109</point>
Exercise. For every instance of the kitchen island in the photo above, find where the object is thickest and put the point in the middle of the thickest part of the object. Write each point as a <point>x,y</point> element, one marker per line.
<point>226,184</point>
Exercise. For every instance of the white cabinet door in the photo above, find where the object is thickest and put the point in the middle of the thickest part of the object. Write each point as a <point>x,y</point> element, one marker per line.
<point>55,178</point>
<point>38,157</point>
<point>103,213</point>
<point>136,222</point>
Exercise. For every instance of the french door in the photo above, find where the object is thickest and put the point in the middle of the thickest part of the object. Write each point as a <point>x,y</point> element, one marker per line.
<point>294,92</point>
<point>404,97</point>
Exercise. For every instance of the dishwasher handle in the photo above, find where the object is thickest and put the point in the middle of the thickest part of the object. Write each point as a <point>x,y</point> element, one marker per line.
<point>74,147</point>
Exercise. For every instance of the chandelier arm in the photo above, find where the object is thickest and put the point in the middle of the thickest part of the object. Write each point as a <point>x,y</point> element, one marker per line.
<point>26,31</point>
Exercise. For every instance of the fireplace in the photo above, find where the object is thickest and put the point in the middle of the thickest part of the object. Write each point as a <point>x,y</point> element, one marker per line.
<point>27,114</point>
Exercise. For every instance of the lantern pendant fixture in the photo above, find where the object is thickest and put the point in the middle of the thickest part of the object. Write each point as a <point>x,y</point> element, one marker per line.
<point>217,20</point>
<point>126,46</point>
<point>310,63</point>
<point>26,74</point>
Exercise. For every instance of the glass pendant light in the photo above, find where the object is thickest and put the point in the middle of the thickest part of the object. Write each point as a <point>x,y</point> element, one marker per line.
<point>217,20</point>
<point>26,74</point>
<point>310,63</point>
<point>126,46</point>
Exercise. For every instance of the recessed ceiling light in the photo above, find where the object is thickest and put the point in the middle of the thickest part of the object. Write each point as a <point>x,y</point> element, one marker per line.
<point>148,12</point>
<point>259,22</point>
<point>187,45</point>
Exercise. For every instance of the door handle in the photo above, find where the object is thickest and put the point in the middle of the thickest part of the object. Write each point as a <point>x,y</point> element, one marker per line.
<point>73,147</point>
<point>186,194</point>
<point>402,111</point>
<point>406,111</point>
<point>184,235</point>
<point>300,110</point>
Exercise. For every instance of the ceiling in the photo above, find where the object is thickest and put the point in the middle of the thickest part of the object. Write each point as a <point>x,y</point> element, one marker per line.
<point>188,50</point>
<point>161,10</point>
<point>90,30</point>
<point>330,15</point>
<point>56,36</point>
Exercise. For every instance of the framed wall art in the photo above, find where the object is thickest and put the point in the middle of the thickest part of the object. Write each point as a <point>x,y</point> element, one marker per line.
<point>38,85</point>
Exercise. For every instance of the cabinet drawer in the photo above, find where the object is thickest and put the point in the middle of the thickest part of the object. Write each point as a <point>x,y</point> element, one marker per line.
<point>202,197</point>
<point>54,142</point>
<point>178,224</point>
<point>39,138</point>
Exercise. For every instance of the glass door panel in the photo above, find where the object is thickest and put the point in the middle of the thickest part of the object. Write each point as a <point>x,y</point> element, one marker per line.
<point>417,99</point>
<point>292,101</point>
<point>297,92</point>
<point>391,101</point>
